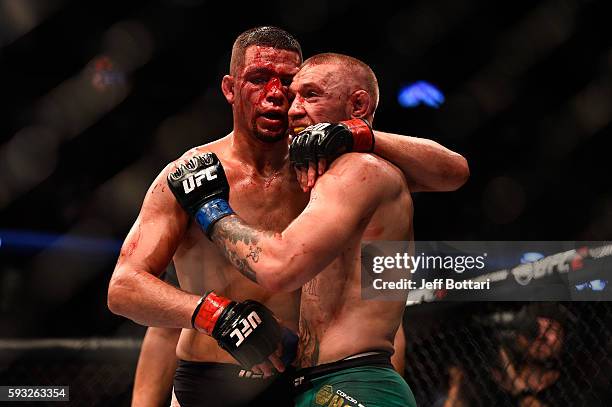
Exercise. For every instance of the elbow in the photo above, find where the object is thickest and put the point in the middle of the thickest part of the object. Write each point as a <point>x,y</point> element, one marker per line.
<point>271,283</point>
<point>276,279</point>
<point>279,284</point>
<point>450,175</point>
<point>117,299</point>
<point>458,174</point>
<point>463,172</point>
<point>279,273</point>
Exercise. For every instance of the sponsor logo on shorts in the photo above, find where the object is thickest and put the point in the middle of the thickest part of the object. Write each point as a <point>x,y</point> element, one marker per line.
<point>326,397</point>
<point>249,374</point>
<point>195,180</point>
<point>337,401</point>
<point>324,394</point>
<point>249,323</point>
<point>348,398</point>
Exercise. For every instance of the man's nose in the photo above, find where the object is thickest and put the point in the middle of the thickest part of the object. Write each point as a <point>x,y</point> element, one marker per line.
<point>296,110</point>
<point>274,91</point>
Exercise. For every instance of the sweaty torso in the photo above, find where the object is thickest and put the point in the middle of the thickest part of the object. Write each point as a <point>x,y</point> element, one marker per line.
<point>334,322</point>
<point>270,203</point>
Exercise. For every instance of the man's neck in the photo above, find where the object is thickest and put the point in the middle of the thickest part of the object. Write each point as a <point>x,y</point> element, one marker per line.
<point>265,158</point>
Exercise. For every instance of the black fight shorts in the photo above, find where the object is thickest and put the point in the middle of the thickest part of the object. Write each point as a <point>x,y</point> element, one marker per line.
<point>199,384</point>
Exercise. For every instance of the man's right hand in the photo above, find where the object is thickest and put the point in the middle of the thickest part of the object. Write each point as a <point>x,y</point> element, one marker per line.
<point>201,188</point>
<point>246,330</point>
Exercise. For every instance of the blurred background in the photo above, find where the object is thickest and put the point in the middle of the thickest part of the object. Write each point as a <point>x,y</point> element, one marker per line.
<point>98,96</point>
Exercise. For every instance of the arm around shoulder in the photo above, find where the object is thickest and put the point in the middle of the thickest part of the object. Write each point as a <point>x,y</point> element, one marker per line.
<point>341,205</point>
<point>427,165</point>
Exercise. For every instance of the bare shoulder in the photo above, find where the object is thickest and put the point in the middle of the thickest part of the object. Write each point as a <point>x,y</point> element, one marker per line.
<point>368,170</point>
<point>218,147</point>
<point>159,198</point>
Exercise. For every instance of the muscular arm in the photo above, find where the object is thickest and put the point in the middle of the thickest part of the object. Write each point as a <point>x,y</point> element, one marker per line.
<point>135,291</point>
<point>156,366</point>
<point>341,205</point>
<point>427,165</point>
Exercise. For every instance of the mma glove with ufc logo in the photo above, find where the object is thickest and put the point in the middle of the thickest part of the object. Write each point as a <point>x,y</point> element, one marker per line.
<point>246,330</point>
<point>201,188</point>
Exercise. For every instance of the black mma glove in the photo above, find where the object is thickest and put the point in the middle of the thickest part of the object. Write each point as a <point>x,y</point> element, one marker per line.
<point>201,188</point>
<point>329,141</point>
<point>246,330</point>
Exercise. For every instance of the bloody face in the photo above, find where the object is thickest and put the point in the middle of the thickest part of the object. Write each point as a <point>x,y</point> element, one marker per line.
<point>321,95</point>
<point>261,91</point>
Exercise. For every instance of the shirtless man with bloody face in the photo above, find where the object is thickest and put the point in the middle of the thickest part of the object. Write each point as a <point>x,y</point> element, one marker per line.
<point>265,191</point>
<point>263,64</point>
<point>345,342</point>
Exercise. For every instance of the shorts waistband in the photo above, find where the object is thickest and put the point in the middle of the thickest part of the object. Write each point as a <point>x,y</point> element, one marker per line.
<point>203,365</point>
<point>216,369</point>
<point>303,377</point>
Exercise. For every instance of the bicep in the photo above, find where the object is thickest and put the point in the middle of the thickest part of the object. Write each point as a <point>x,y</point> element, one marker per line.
<point>154,237</point>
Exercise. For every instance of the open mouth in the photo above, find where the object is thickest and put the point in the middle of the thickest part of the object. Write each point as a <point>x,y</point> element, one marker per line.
<point>276,116</point>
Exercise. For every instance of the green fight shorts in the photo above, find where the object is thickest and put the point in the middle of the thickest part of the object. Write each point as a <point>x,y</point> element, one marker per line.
<point>364,382</point>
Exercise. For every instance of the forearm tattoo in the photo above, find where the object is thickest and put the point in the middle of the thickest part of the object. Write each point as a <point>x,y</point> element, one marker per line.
<point>228,233</point>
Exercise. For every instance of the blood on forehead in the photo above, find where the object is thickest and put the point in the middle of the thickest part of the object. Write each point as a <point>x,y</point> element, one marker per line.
<point>279,61</point>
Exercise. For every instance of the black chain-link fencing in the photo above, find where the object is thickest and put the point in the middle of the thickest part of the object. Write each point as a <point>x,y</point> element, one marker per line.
<point>100,372</point>
<point>458,355</point>
<point>510,354</point>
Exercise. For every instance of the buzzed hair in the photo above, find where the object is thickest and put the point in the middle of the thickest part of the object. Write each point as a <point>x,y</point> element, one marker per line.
<point>263,36</point>
<point>359,71</point>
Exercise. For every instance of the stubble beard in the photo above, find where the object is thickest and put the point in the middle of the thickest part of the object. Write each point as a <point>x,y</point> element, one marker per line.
<point>266,138</point>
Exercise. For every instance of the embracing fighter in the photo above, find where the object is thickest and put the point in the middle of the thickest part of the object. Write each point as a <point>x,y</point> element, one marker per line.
<point>265,192</point>
<point>345,342</point>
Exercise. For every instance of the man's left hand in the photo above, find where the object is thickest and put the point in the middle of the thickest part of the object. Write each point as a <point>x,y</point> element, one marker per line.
<point>317,145</point>
<point>201,188</point>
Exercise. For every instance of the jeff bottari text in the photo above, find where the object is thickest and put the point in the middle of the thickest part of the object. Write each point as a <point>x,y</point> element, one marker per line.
<point>436,284</point>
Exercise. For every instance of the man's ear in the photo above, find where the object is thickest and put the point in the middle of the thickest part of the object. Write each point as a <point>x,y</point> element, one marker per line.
<point>227,87</point>
<point>359,103</point>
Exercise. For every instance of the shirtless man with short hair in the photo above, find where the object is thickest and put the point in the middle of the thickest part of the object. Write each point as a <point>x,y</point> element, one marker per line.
<point>345,342</point>
<point>263,187</point>
<point>255,153</point>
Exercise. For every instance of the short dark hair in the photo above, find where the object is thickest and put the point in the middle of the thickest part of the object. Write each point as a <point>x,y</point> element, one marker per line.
<point>266,36</point>
<point>358,70</point>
